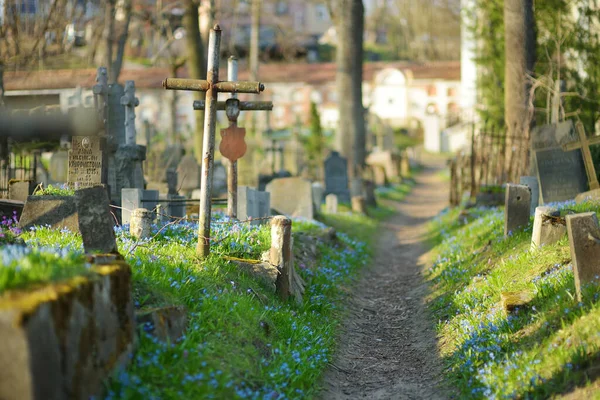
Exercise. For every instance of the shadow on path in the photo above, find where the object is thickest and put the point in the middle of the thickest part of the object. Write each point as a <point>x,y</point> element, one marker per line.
<point>387,348</point>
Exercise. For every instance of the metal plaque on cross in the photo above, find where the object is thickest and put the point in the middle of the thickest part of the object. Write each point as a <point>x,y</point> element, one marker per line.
<point>233,146</point>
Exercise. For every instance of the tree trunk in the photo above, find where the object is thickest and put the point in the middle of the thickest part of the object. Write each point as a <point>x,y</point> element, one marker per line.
<point>196,62</point>
<point>350,135</point>
<point>109,32</point>
<point>520,40</point>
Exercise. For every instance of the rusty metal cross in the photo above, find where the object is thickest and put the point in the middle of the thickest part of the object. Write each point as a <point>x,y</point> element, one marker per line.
<point>212,86</point>
<point>584,144</point>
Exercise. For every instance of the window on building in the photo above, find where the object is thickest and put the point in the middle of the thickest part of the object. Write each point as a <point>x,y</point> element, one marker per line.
<point>451,92</point>
<point>431,91</point>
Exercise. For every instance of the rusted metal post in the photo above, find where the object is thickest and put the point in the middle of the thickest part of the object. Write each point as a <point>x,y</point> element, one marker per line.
<point>208,145</point>
<point>232,112</point>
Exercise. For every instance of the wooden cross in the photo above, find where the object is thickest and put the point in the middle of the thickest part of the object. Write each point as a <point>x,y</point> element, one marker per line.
<point>212,86</point>
<point>584,144</point>
<point>232,144</point>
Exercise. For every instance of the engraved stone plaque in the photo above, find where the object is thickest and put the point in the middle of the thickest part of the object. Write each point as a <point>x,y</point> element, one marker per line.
<point>85,162</point>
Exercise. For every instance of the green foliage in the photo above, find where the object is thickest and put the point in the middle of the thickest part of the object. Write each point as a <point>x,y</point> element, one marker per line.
<point>579,51</point>
<point>540,350</point>
<point>50,190</point>
<point>314,144</point>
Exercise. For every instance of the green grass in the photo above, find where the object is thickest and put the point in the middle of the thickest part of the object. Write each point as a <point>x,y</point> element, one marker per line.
<point>396,192</point>
<point>50,190</point>
<point>544,349</point>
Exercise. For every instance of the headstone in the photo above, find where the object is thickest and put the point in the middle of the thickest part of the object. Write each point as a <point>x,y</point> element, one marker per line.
<point>318,192</point>
<point>292,196</point>
<point>96,223</point>
<point>59,166</point>
<point>336,176</point>
<point>132,199</point>
<point>264,204</point>
<point>172,181</point>
<point>584,241</point>
<point>357,187</point>
<point>247,203</point>
<point>141,223</point>
<point>20,190</point>
<point>532,183</point>
<point>58,212</point>
<point>331,203</point>
<point>176,209</point>
<point>561,174</point>
<point>85,162</point>
<point>370,197</point>
<point>188,174</point>
<point>548,227</point>
<point>516,208</point>
<point>219,186</point>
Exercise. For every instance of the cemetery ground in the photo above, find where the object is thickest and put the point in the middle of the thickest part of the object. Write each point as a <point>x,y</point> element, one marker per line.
<point>546,347</point>
<point>241,341</point>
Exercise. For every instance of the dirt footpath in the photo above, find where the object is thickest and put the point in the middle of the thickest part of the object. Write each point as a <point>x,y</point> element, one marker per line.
<point>388,347</point>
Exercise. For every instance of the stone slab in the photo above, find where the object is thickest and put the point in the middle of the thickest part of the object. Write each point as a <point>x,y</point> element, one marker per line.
<point>532,183</point>
<point>331,203</point>
<point>20,190</point>
<point>96,223</point>
<point>63,340</point>
<point>336,176</point>
<point>292,197</point>
<point>561,174</point>
<point>516,208</point>
<point>58,212</point>
<point>548,227</point>
<point>584,242</point>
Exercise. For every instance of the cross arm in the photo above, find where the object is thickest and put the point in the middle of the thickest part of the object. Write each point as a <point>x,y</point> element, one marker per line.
<point>198,85</point>
<point>576,145</point>
<point>243,105</point>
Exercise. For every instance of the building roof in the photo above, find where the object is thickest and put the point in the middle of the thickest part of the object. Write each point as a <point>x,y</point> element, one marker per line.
<point>314,74</point>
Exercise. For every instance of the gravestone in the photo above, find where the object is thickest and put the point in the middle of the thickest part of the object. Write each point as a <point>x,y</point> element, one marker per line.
<point>532,183</point>
<point>59,166</point>
<point>219,186</point>
<point>292,197</point>
<point>176,208</point>
<point>370,197</point>
<point>548,227</point>
<point>264,204</point>
<point>58,212</point>
<point>318,192</point>
<point>247,206</point>
<point>516,208</point>
<point>85,162</point>
<point>188,174</point>
<point>20,190</point>
<point>141,223</point>
<point>331,203</point>
<point>96,223</point>
<point>132,199</point>
<point>336,176</point>
<point>561,174</point>
<point>584,242</point>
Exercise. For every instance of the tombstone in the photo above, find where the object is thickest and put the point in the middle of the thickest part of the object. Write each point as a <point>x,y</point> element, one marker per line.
<point>318,192</point>
<point>172,181</point>
<point>369,188</point>
<point>357,187</point>
<point>584,241</point>
<point>85,162</point>
<point>532,183</point>
<point>59,166</point>
<point>141,223</point>
<point>247,207</point>
<point>132,198</point>
<point>292,197</point>
<point>96,222</point>
<point>331,203</point>
<point>264,204</point>
<point>176,209</point>
<point>548,227</point>
<point>188,174</point>
<point>20,190</point>
<point>130,102</point>
<point>516,207</point>
<point>336,176</point>
<point>561,174</point>
<point>58,212</point>
<point>219,186</point>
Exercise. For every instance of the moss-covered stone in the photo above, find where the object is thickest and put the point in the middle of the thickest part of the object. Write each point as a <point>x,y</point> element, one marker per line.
<point>60,341</point>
